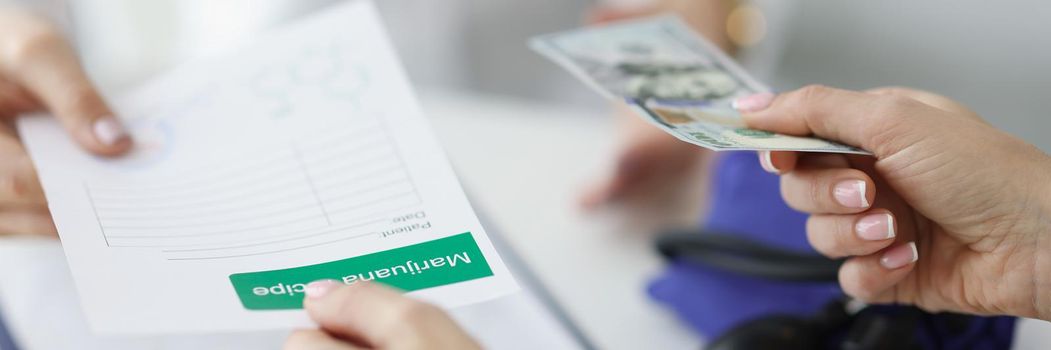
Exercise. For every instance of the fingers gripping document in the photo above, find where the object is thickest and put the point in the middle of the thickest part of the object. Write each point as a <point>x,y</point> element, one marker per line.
<point>301,157</point>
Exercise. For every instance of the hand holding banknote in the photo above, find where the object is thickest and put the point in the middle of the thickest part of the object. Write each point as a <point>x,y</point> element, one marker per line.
<point>674,79</point>
<point>39,71</point>
<point>948,214</point>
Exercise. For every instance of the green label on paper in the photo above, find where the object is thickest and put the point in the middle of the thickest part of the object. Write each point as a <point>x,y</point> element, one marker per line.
<point>423,265</point>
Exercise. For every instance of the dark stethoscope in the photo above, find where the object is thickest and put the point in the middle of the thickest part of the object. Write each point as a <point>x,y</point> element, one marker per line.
<point>834,327</point>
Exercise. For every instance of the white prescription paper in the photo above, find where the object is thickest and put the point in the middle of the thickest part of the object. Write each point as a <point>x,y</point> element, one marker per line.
<point>304,148</point>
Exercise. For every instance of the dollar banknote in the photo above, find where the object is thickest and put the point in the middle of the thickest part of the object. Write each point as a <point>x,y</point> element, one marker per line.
<point>673,78</point>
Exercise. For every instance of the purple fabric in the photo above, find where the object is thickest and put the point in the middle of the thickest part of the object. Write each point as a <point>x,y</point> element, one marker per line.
<point>6,341</point>
<point>746,200</point>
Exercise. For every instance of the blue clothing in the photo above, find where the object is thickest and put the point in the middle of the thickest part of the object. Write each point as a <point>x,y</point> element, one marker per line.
<point>7,342</point>
<point>746,200</point>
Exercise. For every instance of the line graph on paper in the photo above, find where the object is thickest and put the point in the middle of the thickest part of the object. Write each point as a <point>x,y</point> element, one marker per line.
<point>339,185</point>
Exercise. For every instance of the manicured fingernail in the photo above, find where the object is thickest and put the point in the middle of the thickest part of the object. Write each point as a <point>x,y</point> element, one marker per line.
<point>318,289</point>
<point>767,162</point>
<point>900,256</point>
<point>109,131</point>
<point>851,194</point>
<point>875,227</point>
<point>753,103</point>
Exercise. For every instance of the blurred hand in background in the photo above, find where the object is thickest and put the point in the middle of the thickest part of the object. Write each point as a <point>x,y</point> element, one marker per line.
<point>648,156</point>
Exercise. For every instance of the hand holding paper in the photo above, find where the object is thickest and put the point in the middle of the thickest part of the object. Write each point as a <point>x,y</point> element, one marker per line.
<point>299,158</point>
<point>375,317</point>
<point>39,71</point>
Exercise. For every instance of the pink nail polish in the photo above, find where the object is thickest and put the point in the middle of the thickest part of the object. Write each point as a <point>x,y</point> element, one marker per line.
<point>875,227</point>
<point>851,194</point>
<point>767,162</point>
<point>900,256</point>
<point>753,103</point>
<point>108,130</point>
<point>318,289</point>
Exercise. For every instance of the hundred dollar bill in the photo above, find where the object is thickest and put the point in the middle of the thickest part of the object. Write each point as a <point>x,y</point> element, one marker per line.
<point>674,79</point>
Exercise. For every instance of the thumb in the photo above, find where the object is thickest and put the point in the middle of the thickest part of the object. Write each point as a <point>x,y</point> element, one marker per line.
<point>367,313</point>
<point>880,124</point>
<point>45,64</point>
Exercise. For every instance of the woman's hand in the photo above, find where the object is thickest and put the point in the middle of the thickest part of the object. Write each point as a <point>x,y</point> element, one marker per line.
<point>949,214</point>
<point>371,316</point>
<point>40,72</point>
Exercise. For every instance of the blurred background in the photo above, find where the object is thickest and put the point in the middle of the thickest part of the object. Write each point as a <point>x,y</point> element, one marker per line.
<point>992,56</point>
